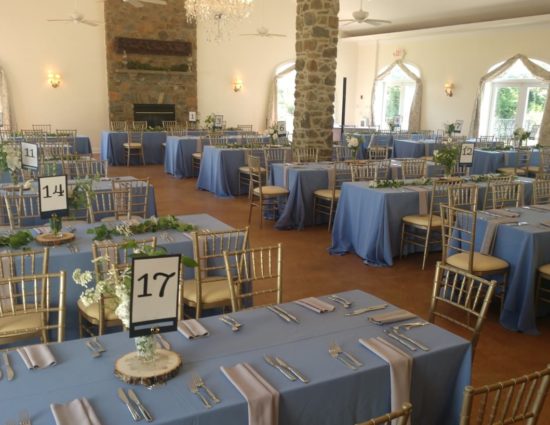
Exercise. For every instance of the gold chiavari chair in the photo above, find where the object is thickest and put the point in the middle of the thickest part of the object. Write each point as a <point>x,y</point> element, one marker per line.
<point>108,205</point>
<point>247,128</point>
<point>33,135</point>
<point>464,196</point>
<point>217,139</point>
<point>370,170</point>
<point>208,288</point>
<point>244,171</point>
<point>461,298</point>
<point>116,257</point>
<point>49,150</point>
<point>23,209</point>
<point>459,235</point>
<point>541,192</point>
<point>24,263</point>
<point>134,147</point>
<point>5,135</point>
<point>378,152</point>
<point>169,124</point>
<point>342,153</point>
<point>542,176</point>
<point>305,154</point>
<point>139,125</point>
<point>43,128</point>
<point>177,130</point>
<point>138,195</point>
<point>266,198</point>
<point>196,157</point>
<point>403,415</point>
<point>514,401</point>
<point>542,291</point>
<point>506,195</point>
<point>91,168</point>
<point>325,200</point>
<point>118,125</point>
<point>521,163</point>
<point>425,230</point>
<point>260,267</point>
<point>68,136</point>
<point>491,181</point>
<point>29,308</point>
<point>274,155</point>
<point>413,168</point>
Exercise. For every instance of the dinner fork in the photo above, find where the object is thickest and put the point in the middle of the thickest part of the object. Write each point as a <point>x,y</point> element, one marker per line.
<point>24,418</point>
<point>95,352</point>
<point>195,390</point>
<point>336,355</point>
<point>351,358</point>
<point>199,383</point>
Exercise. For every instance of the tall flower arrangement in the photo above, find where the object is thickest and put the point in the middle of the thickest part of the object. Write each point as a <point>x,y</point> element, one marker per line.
<point>520,135</point>
<point>353,144</point>
<point>447,156</point>
<point>10,160</point>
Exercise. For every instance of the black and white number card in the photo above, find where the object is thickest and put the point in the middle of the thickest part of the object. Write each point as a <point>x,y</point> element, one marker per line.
<point>467,154</point>
<point>192,116</point>
<point>29,156</point>
<point>154,295</point>
<point>53,196</point>
<point>218,122</point>
<point>281,128</point>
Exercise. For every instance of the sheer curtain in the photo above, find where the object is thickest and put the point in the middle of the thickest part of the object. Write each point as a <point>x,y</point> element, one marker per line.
<point>4,101</point>
<point>416,105</point>
<point>271,115</point>
<point>537,71</point>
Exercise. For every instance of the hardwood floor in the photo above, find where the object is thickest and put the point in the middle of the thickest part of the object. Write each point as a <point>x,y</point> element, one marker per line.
<point>310,270</point>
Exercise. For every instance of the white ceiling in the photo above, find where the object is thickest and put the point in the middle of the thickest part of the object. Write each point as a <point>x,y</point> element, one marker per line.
<point>418,14</point>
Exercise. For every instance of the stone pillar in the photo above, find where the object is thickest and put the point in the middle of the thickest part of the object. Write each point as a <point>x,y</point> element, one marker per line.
<point>316,48</point>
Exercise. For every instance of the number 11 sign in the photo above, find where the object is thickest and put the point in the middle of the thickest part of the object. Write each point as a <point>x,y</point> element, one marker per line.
<point>154,295</point>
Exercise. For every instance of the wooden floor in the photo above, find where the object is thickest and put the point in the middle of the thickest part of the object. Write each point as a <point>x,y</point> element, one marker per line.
<point>310,270</point>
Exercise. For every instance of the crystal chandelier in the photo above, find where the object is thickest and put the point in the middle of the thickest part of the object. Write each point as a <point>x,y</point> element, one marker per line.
<point>217,15</point>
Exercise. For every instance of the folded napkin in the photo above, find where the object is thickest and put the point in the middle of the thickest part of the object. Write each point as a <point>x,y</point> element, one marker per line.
<point>542,207</point>
<point>191,328</point>
<point>262,398</point>
<point>391,316</point>
<point>490,234</point>
<point>400,368</point>
<point>79,411</point>
<point>36,356</point>
<point>41,230</point>
<point>503,213</point>
<point>422,198</point>
<point>315,304</point>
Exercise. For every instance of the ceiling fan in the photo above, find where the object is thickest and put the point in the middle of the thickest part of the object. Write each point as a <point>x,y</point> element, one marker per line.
<point>139,3</point>
<point>361,17</point>
<point>263,32</point>
<point>77,18</point>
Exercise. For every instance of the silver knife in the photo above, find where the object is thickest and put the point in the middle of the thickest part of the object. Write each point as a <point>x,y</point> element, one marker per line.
<point>401,341</point>
<point>286,313</point>
<point>9,369</point>
<point>278,313</point>
<point>292,369</point>
<point>284,371</point>
<point>366,309</point>
<point>412,341</point>
<point>140,405</point>
<point>122,395</point>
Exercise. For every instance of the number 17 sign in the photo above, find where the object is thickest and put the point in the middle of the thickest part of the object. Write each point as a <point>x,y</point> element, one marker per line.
<point>154,295</point>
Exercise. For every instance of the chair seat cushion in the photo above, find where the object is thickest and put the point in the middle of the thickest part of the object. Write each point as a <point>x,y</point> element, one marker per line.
<point>481,263</point>
<point>246,169</point>
<point>422,220</point>
<point>12,324</point>
<point>132,145</point>
<point>511,170</point>
<point>327,193</point>
<point>545,269</point>
<point>93,309</point>
<point>534,169</point>
<point>214,290</point>
<point>197,155</point>
<point>271,191</point>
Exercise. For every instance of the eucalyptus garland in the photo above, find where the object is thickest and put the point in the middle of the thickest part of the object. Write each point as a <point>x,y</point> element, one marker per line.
<point>16,240</point>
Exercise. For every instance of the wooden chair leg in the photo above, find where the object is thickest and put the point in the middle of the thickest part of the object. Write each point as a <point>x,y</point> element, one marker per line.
<point>80,329</point>
<point>314,209</point>
<point>426,245</point>
<point>251,205</point>
<point>402,244</point>
<point>330,214</point>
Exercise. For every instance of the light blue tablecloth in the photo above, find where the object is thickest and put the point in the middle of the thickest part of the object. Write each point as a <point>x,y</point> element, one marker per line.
<point>82,144</point>
<point>335,395</point>
<point>367,140</point>
<point>113,151</point>
<point>177,156</point>
<point>489,161</point>
<point>412,148</point>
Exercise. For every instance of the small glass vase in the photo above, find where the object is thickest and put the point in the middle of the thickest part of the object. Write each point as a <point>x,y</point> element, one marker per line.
<point>55,224</point>
<point>14,178</point>
<point>146,348</point>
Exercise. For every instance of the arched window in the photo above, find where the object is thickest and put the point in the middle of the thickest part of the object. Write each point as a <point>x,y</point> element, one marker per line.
<point>512,98</point>
<point>281,102</point>
<point>394,91</point>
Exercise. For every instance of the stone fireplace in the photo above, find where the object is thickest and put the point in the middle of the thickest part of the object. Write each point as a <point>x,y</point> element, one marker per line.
<point>151,60</point>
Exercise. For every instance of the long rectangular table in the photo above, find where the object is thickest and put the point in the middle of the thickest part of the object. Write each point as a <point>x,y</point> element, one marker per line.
<point>336,395</point>
<point>112,147</point>
<point>489,161</point>
<point>403,148</point>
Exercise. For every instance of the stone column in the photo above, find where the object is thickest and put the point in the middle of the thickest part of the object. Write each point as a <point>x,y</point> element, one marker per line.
<point>316,47</point>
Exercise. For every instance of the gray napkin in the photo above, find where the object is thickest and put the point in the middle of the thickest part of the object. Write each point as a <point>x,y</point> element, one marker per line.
<point>390,317</point>
<point>191,328</point>
<point>36,356</point>
<point>315,304</point>
<point>490,234</point>
<point>79,411</point>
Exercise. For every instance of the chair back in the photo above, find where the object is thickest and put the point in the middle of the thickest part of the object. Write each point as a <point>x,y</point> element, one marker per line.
<point>461,298</point>
<point>118,125</point>
<point>378,152</point>
<point>389,419</point>
<point>30,306</point>
<point>514,401</point>
<point>247,128</point>
<point>459,230</point>
<point>135,137</point>
<point>217,139</point>
<point>491,181</point>
<point>43,128</point>
<point>139,125</point>
<point>23,263</point>
<point>340,174</point>
<point>108,203</point>
<point>506,195</point>
<point>259,267</point>
<point>167,125</point>
<point>54,150</point>
<point>370,170</point>
<point>177,130</point>
<point>305,154</point>
<point>138,195</point>
<point>463,196</point>
<point>67,136</point>
<point>23,209</point>
<point>90,168</point>
<point>440,194</point>
<point>342,153</point>
<point>544,160</point>
<point>413,168</point>
<point>541,191</point>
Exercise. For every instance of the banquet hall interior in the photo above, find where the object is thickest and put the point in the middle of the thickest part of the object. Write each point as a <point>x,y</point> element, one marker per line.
<point>326,132</point>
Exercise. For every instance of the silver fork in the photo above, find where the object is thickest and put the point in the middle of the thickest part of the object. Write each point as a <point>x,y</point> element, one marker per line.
<point>199,383</point>
<point>333,351</point>
<point>95,353</point>
<point>24,418</point>
<point>194,389</point>
<point>351,358</point>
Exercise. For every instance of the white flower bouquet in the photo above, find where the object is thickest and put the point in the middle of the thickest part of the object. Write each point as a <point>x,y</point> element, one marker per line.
<point>353,144</point>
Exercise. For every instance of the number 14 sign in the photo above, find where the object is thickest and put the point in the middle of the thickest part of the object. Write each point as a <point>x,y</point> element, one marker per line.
<point>154,295</point>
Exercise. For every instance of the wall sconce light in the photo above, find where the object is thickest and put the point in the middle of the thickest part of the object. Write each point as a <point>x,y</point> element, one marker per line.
<point>449,89</point>
<point>54,80</point>
<point>237,85</point>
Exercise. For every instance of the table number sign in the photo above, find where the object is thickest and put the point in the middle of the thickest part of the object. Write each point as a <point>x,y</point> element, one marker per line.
<point>192,116</point>
<point>467,154</point>
<point>154,295</point>
<point>281,128</point>
<point>218,122</point>
<point>53,196</point>
<point>29,156</point>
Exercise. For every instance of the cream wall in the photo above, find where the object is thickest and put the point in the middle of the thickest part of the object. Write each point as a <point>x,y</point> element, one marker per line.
<point>461,57</point>
<point>251,59</point>
<point>346,68</point>
<point>30,47</point>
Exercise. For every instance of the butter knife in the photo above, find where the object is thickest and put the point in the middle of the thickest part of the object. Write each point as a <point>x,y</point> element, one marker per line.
<point>412,341</point>
<point>366,309</point>
<point>286,313</point>
<point>279,314</point>
<point>140,405</point>
<point>401,341</point>
<point>292,369</point>
<point>9,369</point>
<point>289,375</point>
<point>122,395</point>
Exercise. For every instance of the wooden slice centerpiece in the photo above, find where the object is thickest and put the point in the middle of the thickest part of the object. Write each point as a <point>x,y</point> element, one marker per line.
<point>131,368</point>
<point>53,239</point>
